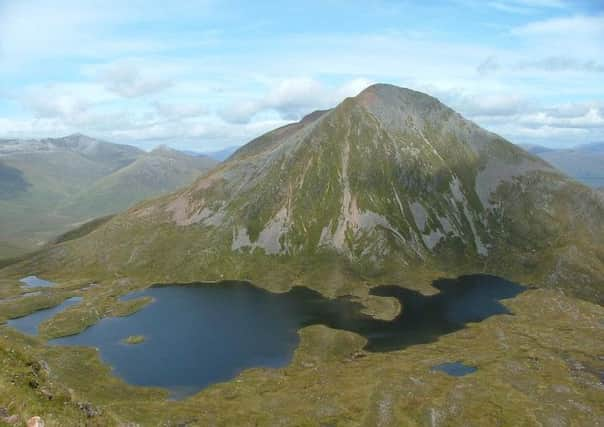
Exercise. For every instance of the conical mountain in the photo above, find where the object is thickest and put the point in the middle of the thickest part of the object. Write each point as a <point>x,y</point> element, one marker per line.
<point>386,184</point>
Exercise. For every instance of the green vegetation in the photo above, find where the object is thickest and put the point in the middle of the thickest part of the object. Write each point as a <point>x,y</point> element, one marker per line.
<point>82,230</point>
<point>134,339</point>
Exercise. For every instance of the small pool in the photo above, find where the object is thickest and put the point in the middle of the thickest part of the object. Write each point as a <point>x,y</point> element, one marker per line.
<point>455,369</point>
<point>36,282</point>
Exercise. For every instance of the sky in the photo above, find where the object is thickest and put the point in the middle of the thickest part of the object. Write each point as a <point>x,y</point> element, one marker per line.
<point>204,75</point>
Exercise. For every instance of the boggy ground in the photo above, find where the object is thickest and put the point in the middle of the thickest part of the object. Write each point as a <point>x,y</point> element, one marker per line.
<point>541,366</point>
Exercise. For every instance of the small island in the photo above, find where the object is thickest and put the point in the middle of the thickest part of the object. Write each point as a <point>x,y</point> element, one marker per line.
<point>134,339</point>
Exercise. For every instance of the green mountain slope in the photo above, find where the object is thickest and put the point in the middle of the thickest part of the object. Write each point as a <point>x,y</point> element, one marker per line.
<point>43,179</point>
<point>387,183</point>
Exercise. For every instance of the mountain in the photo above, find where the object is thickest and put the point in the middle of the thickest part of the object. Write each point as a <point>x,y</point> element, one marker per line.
<point>584,162</point>
<point>42,182</point>
<point>160,171</point>
<point>386,186</point>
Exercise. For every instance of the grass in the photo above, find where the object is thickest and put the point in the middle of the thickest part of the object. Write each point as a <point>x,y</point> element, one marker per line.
<point>82,230</point>
<point>134,339</point>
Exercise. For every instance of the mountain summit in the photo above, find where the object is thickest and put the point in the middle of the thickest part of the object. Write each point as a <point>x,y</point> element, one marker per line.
<point>387,182</point>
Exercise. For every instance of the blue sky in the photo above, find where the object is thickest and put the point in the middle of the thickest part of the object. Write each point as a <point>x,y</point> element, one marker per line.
<point>205,75</point>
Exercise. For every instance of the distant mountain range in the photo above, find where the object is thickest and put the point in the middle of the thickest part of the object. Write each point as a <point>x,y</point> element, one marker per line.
<point>584,162</point>
<point>48,186</point>
<point>219,155</point>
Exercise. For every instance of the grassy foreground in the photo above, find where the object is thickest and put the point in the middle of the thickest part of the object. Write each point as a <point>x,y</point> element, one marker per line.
<point>540,366</point>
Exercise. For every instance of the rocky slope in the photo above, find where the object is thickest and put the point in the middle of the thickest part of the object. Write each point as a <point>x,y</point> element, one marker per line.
<point>388,182</point>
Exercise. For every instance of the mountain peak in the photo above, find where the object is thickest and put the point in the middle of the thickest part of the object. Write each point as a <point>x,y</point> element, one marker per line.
<point>163,148</point>
<point>394,95</point>
<point>77,137</point>
<point>402,110</point>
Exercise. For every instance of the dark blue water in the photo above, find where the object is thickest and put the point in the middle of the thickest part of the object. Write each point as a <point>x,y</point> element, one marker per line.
<point>36,282</point>
<point>455,369</point>
<point>201,334</point>
<point>29,324</point>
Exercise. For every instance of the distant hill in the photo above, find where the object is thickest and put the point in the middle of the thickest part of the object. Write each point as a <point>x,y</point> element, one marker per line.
<point>218,155</point>
<point>584,163</point>
<point>49,185</point>
<point>160,171</point>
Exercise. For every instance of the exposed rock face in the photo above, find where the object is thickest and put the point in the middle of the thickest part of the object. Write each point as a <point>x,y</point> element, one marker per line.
<point>390,176</point>
<point>35,422</point>
<point>88,409</point>
<point>7,418</point>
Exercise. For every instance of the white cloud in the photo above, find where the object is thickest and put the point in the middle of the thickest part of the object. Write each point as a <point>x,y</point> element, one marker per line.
<point>37,30</point>
<point>570,110</point>
<point>593,118</point>
<point>488,66</point>
<point>351,88</point>
<point>554,135</point>
<point>592,26</point>
<point>172,111</point>
<point>293,98</point>
<point>128,81</point>
<point>509,7</point>
<point>241,111</point>
<point>543,3</point>
<point>58,106</point>
<point>563,63</point>
<point>31,128</point>
<point>63,100</point>
<point>558,126</point>
<point>492,105</point>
